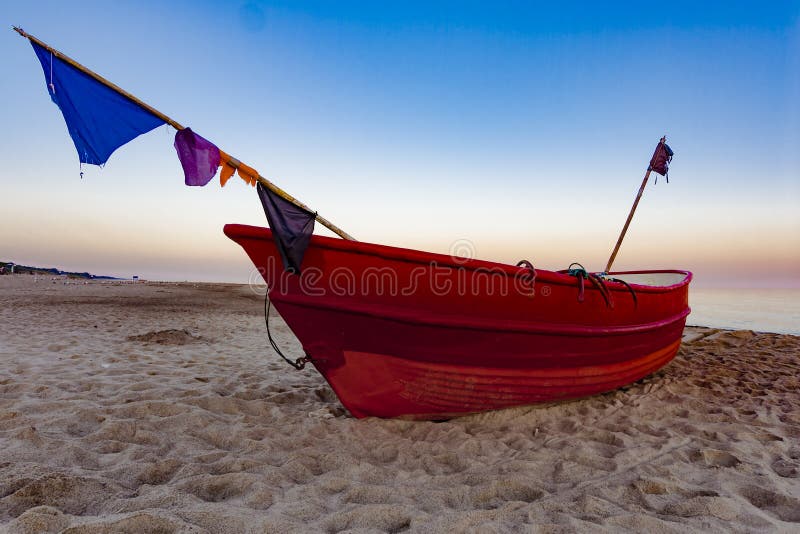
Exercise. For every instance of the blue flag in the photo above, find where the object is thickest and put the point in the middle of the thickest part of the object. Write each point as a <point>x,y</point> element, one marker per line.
<point>99,119</point>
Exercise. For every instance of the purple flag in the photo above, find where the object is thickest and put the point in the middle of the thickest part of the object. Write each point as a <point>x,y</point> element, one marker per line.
<point>199,157</point>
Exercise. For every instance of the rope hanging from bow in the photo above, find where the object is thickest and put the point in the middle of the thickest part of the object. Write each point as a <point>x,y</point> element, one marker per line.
<point>299,363</point>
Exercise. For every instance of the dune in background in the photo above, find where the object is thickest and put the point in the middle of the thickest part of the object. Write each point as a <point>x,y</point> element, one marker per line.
<point>158,407</point>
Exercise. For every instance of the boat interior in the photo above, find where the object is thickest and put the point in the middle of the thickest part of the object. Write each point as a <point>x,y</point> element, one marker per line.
<point>655,279</point>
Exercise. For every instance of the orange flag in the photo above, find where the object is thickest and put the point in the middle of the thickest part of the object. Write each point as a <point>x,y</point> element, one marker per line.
<point>248,174</point>
<point>227,170</point>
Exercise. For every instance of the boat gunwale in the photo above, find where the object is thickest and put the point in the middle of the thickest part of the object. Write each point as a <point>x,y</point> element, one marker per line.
<point>407,255</point>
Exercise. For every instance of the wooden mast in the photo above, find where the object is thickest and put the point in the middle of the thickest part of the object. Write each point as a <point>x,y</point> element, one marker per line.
<point>630,215</point>
<point>233,162</point>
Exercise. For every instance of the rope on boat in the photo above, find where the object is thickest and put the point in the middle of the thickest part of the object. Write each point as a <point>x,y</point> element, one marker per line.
<point>299,363</point>
<point>599,280</point>
<point>626,284</point>
<point>579,271</point>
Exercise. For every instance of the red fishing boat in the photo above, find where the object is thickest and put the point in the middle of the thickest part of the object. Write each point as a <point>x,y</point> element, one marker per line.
<point>399,332</point>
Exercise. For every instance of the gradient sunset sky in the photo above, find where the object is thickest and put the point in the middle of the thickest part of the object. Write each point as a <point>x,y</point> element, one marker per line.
<point>522,127</point>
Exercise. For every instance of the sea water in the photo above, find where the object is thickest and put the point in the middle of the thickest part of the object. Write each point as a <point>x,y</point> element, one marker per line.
<point>761,310</point>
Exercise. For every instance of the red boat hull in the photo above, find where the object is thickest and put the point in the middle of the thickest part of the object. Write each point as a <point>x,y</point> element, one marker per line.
<point>399,332</point>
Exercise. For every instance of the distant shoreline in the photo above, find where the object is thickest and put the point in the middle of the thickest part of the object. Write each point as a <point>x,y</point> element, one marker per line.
<point>9,267</point>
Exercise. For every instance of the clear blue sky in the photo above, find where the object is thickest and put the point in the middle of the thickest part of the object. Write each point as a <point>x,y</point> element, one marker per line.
<point>523,127</point>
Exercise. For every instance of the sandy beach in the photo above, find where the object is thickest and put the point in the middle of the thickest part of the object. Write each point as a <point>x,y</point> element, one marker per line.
<point>159,408</point>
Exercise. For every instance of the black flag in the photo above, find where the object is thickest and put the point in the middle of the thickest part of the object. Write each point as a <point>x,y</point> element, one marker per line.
<point>291,226</point>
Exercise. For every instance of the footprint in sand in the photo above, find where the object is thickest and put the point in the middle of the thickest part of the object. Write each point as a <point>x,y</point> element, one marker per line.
<point>719,507</point>
<point>714,458</point>
<point>786,468</point>
<point>776,504</point>
<point>71,494</point>
<point>219,488</point>
<point>653,487</point>
<point>159,472</point>
<point>167,337</point>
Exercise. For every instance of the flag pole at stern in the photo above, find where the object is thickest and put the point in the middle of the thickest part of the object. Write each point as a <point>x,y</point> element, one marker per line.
<point>233,162</point>
<point>630,215</point>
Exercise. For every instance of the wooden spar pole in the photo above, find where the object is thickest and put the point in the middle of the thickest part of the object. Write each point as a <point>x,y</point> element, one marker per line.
<point>233,162</point>
<point>630,215</point>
